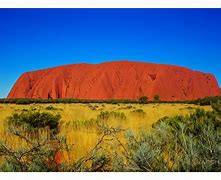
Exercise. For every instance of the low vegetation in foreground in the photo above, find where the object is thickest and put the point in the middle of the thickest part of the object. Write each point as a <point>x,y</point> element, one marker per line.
<point>104,137</point>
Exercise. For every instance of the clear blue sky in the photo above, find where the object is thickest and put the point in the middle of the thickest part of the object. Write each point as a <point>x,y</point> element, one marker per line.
<point>32,39</point>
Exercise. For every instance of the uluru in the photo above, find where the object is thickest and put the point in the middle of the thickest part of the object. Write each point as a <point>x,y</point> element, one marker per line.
<point>115,80</point>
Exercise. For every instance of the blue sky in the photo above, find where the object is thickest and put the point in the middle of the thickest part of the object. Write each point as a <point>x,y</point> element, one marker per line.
<point>32,39</point>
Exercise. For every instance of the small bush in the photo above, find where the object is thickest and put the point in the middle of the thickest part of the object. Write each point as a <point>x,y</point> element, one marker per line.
<point>156,98</point>
<point>23,101</point>
<point>39,153</point>
<point>93,108</point>
<point>143,100</point>
<point>50,108</point>
<point>34,120</point>
<point>181,143</point>
<point>139,112</point>
<point>105,115</point>
<point>84,123</point>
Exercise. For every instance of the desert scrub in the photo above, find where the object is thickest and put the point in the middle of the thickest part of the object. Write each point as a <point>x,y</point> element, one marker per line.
<point>143,100</point>
<point>139,112</point>
<point>84,123</point>
<point>86,137</point>
<point>181,143</point>
<point>50,108</point>
<point>93,107</point>
<point>126,107</point>
<point>188,107</point>
<point>39,151</point>
<point>34,121</point>
<point>105,115</point>
<point>156,98</point>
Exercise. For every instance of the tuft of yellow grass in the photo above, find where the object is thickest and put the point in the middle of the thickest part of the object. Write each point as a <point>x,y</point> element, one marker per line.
<point>78,123</point>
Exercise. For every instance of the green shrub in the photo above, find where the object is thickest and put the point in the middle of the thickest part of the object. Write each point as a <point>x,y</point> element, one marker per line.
<point>206,101</point>
<point>105,115</point>
<point>143,100</point>
<point>33,120</point>
<point>156,98</point>
<point>139,112</point>
<point>50,108</point>
<point>217,107</point>
<point>23,101</point>
<point>84,123</point>
<point>38,155</point>
<point>93,108</point>
<point>181,143</point>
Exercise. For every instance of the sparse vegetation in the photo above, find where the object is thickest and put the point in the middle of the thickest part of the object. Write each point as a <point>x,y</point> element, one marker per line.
<point>105,115</point>
<point>143,100</point>
<point>34,121</point>
<point>36,152</point>
<point>139,112</point>
<point>85,123</point>
<point>91,139</point>
<point>181,143</point>
<point>156,98</point>
<point>203,102</point>
<point>50,108</point>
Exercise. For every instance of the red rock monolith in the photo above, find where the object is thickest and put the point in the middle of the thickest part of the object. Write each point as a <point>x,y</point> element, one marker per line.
<point>116,80</point>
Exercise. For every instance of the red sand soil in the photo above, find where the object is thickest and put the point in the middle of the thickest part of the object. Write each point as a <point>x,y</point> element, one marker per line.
<point>116,80</point>
<point>59,158</point>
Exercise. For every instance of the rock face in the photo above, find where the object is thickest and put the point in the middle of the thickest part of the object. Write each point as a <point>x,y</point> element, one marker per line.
<point>116,80</point>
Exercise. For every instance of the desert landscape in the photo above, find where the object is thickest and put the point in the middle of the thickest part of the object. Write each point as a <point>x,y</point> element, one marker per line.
<point>110,90</point>
<point>47,127</point>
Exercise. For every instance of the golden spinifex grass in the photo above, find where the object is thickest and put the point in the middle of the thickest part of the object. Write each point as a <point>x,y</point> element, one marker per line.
<point>79,121</point>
